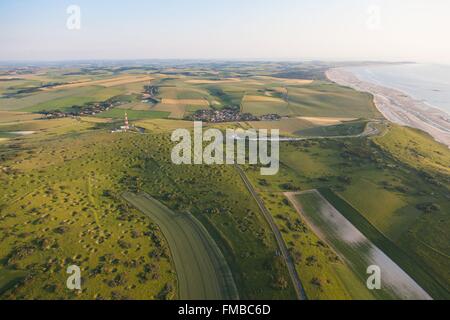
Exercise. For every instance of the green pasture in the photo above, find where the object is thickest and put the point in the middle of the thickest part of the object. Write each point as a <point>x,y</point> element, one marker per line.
<point>346,129</point>
<point>323,99</point>
<point>202,271</point>
<point>415,269</point>
<point>118,113</point>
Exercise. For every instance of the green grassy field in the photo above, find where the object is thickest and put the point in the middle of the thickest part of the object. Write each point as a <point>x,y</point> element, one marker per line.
<point>347,129</point>
<point>7,117</point>
<point>64,98</point>
<point>219,200</point>
<point>260,105</point>
<point>10,87</point>
<point>7,135</point>
<point>358,251</point>
<point>9,278</point>
<point>286,126</point>
<point>362,172</point>
<point>416,149</point>
<point>181,95</point>
<point>323,274</point>
<point>267,95</point>
<point>305,164</point>
<point>60,99</point>
<point>61,187</point>
<point>46,128</point>
<point>330,100</point>
<point>414,268</point>
<point>73,97</point>
<point>202,271</point>
<point>133,114</point>
<point>60,206</point>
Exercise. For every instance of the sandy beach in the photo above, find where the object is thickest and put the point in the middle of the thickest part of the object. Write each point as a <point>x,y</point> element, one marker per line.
<point>398,107</point>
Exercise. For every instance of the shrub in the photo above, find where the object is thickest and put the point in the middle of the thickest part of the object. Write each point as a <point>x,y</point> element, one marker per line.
<point>289,187</point>
<point>428,207</point>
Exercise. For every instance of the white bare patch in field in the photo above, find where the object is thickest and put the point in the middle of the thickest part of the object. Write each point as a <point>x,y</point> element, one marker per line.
<point>249,98</point>
<point>348,242</point>
<point>286,80</point>
<point>22,133</point>
<point>395,278</point>
<point>186,102</point>
<point>344,229</point>
<point>11,117</point>
<point>326,121</point>
<point>206,81</point>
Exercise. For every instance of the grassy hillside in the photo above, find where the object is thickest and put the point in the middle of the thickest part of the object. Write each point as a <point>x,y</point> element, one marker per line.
<point>347,129</point>
<point>133,114</point>
<point>406,204</point>
<point>61,187</point>
<point>60,206</point>
<point>416,148</point>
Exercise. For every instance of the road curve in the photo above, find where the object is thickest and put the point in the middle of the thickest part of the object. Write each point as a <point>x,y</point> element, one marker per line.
<point>369,131</point>
<point>202,271</point>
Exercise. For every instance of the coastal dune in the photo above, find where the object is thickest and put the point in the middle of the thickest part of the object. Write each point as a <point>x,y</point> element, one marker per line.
<point>398,107</point>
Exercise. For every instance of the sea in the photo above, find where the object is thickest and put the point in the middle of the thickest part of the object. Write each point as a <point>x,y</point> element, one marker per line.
<point>429,83</point>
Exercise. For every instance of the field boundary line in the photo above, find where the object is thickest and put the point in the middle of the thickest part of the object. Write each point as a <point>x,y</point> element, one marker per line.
<point>428,282</point>
<point>423,293</point>
<point>202,271</point>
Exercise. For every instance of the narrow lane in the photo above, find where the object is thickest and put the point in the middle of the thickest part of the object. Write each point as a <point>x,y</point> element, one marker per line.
<point>301,295</point>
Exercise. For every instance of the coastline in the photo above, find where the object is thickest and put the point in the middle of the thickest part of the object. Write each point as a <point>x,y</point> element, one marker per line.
<point>398,107</point>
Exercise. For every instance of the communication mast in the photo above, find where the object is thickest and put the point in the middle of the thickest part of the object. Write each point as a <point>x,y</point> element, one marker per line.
<point>127,125</point>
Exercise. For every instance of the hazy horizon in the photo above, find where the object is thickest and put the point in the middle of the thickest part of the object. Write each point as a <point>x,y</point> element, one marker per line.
<point>288,30</point>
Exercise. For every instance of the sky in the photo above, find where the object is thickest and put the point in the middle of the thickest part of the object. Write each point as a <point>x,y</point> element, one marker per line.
<point>393,30</point>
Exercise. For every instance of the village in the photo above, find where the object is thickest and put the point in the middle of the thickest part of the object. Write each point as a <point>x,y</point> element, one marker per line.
<point>91,109</point>
<point>229,114</point>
